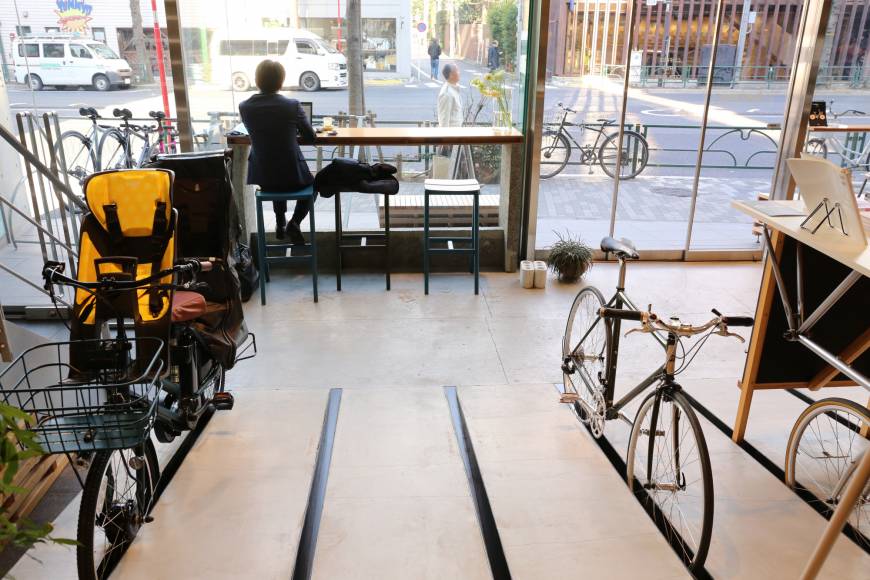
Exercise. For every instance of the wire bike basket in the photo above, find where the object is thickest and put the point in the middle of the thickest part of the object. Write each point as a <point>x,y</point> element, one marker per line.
<point>92,410</point>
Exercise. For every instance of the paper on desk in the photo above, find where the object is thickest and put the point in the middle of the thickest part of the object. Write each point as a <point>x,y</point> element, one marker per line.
<point>775,208</point>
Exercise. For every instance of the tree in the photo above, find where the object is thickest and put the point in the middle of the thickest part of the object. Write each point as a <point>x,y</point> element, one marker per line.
<point>502,20</point>
<point>139,41</point>
<point>355,90</point>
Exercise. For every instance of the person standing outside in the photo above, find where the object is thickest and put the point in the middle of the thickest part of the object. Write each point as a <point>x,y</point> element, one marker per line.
<point>277,125</point>
<point>434,58</point>
<point>450,114</point>
<point>493,56</point>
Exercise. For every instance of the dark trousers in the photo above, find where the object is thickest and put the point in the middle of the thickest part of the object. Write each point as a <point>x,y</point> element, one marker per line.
<point>302,208</point>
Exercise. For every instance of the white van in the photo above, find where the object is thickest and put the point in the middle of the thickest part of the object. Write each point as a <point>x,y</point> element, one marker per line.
<point>66,60</point>
<point>311,62</point>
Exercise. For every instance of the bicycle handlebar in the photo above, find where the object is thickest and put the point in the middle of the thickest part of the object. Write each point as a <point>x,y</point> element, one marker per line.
<point>52,273</point>
<point>651,322</point>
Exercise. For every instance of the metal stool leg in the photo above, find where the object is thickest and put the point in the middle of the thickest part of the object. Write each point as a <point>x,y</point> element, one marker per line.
<point>261,251</point>
<point>387,237</point>
<point>475,224</point>
<point>425,242</point>
<point>338,236</point>
<point>313,249</point>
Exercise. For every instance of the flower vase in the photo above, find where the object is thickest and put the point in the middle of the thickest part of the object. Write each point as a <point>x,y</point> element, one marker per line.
<point>501,120</point>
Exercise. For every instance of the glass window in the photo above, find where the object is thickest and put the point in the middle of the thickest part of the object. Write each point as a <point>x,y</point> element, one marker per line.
<point>277,48</point>
<point>52,29</point>
<point>22,30</point>
<point>305,47</point>
<point>79,51</point>
<point>30,50</point>
<point>103,51</point>
<point>52,50</point>
<point>99,34</point>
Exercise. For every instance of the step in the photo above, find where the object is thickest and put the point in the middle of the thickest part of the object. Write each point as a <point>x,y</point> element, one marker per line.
<point>236,506</point>
<point>561,509</point>
<point>398,504</point>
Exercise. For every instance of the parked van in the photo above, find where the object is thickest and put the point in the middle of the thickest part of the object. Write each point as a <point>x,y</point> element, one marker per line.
<point>311,62</point>
<point>66,60</point>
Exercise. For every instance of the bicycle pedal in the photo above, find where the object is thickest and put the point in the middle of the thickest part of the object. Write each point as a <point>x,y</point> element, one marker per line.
<point>148,519</point>
<point>223,401</point>
<point>569,398</point>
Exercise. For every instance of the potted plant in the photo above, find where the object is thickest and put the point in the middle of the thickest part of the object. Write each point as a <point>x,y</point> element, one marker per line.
<point>569,258</point>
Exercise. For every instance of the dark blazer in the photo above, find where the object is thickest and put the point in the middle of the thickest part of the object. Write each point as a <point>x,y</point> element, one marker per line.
<point>277,125</point>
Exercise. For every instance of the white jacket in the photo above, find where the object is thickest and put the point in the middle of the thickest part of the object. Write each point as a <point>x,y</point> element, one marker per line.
<point>450,106</point>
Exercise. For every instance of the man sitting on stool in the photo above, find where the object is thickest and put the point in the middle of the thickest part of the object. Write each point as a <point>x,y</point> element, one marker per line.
<point>277,125</point>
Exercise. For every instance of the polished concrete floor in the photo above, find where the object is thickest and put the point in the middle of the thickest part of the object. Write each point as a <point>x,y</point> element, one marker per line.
<point>397,500</point>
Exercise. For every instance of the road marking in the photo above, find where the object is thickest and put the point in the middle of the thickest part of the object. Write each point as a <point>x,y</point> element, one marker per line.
<point>431,84</point>
<point>752,110</point>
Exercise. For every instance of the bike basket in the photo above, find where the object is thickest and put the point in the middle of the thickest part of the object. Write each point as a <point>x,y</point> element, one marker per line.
<point>73,411</point>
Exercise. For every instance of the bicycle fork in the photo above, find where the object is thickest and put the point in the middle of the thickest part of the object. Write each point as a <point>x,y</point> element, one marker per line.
<point>679,483</point>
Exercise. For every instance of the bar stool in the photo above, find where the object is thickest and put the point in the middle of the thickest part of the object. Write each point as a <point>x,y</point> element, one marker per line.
<point>452,187</point>
<point>263,248</point>
<point>345,241</point>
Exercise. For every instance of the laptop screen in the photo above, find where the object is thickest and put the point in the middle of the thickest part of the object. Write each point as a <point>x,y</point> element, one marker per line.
<point>308,107</point>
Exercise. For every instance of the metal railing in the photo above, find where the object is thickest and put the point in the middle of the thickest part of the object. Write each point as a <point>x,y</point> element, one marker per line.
<point>855,77</point>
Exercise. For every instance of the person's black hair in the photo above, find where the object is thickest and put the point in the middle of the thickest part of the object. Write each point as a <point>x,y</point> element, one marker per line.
<point>448,68</point>
<point>269,76</point>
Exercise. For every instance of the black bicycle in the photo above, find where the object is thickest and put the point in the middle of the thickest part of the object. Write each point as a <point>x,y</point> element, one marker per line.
<point>556,147</point>
<point>667,462</point>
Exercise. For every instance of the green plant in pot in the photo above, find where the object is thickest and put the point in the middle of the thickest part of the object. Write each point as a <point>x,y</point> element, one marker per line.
<point>569,258</point>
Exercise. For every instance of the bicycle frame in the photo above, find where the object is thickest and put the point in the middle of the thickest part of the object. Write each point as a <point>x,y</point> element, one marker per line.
<point>583,127</point>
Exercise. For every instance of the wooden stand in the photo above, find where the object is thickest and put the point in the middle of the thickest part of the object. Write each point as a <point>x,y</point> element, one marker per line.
<point>813,271</point>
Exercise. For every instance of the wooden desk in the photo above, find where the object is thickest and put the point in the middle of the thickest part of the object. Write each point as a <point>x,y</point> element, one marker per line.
<point>775,362</point>
<point>408,136</point>
<point>510,140</point>
<point>841,129</point>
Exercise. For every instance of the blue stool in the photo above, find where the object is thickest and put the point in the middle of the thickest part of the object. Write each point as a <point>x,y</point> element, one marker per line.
<point>263,248</point>
<point>452,187</point>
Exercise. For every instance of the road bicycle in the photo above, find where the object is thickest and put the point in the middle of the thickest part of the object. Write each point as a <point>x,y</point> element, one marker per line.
<point>557,142</point>
<point>130,146</point>
<point>826,445</point>
<point>667,462</point>
<point>78,154</point>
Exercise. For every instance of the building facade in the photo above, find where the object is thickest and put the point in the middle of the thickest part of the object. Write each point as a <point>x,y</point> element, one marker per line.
<point>588,36</point>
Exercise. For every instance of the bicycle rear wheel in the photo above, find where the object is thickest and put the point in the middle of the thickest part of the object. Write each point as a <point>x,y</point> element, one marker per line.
<point>817,147</point>
<point>668,464</point>
<point>555,151</point>
<point>635,155</point>
<point>823,450</point>
<point>116,499</point>
<point>584,353</point>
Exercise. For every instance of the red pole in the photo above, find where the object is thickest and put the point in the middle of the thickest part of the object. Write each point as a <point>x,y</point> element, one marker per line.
<point>339,25</point>
<point>158,42</point>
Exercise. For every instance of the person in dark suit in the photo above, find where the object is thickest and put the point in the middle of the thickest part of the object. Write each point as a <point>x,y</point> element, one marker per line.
<point>277,125</point>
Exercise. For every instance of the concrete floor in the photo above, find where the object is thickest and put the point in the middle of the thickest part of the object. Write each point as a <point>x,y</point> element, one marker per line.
<point>397,503</point>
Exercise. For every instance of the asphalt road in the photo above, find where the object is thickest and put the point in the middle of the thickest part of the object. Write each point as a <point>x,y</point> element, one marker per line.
<point>672,115</point>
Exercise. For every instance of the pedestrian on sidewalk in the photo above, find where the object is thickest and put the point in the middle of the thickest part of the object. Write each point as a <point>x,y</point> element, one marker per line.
<point>493,57</point>
<point>434,58</point>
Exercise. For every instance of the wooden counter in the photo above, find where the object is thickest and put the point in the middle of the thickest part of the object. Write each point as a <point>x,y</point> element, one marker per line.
<point>408,136</point>
<point>841,129</point>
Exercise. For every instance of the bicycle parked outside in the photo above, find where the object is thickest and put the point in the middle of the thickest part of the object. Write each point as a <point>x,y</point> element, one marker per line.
<point>130,146</point>
<point>557,142</point>
<point>667,461</point>
<point>854,156</point>
<point>79,154</point>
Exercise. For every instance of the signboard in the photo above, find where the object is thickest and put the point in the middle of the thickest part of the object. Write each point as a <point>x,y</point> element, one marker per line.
<point>73,15</point>
<point>635,63</point>
<point>421,27</point>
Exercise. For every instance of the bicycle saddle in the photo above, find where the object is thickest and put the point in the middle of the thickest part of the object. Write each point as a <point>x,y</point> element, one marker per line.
<point>187,306</point>
<point>123,114</point>
<point>622,248</point>
<point>157,115</point>
<point>89,112</point>
<point>606,121</point>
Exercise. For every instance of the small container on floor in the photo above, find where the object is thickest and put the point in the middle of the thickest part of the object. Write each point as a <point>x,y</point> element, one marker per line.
<point>540,274</point>
<point>527,274</point>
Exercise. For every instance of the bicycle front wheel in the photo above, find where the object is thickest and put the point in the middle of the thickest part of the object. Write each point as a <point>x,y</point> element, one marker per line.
<point>668,465</point>
<point>824,449</point>
<point>75,157</point>
<point>817,147</point>
<point>635,155</point>
<point>115,502</point>
<point>555,151</point>
<point>584,351</point>
<point>113,151</point>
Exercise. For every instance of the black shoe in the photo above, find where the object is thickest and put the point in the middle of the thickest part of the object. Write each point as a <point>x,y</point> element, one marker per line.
<point>280,224</point>
<point>295,233</point>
